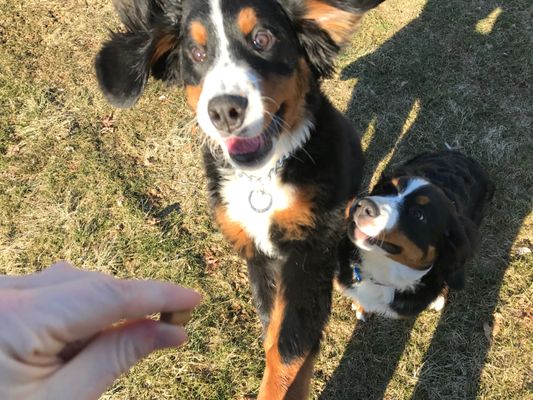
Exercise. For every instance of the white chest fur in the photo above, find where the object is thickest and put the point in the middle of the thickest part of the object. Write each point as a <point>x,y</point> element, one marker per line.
<point>380,268</point>
<point>381,277</point>
<point>236,192</point>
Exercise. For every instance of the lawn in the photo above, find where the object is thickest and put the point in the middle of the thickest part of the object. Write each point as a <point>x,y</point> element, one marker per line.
<point>123,192</point>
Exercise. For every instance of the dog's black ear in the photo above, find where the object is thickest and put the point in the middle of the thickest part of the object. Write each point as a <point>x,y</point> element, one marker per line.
<point>122,68</point>
<point>149,44</point>
<point>324,26</point>
<point>385,184</point>
<point>459,244</point>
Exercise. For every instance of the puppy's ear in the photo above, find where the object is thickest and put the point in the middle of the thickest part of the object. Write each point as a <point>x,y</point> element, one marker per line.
<point>460,243</point>
<point>324,26</point>
<point>149,44</point>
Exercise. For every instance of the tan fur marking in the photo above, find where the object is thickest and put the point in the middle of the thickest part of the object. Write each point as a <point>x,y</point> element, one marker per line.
<point>358,307</point>
<point>163,45</point>
<point>282,380</point>
<point>348,208</point>
<point>411,255</point>
<point>338,23</point>
<point>247,20</point>
<point>289,91</point>
<point>235,233</point>
<point>298,217</point>
<point>422,200</point>
<point>396,182</point>
<point>301,384</point>
<point>193,95</point>
<point>198,33</point>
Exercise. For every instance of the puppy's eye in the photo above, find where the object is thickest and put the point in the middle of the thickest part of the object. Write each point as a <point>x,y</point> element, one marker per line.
<point>417,214</point>
<point>198,54</point>
<point>263,40</point>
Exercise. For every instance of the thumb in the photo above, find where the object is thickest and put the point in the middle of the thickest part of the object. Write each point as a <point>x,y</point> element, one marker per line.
<point>112,353</point>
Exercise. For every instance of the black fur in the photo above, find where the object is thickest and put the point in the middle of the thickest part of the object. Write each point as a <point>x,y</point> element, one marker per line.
<point>330,162</point>
<point>454,223</point>
<point>468,187</point>
<point>318,45</point>
<point>125,62</point>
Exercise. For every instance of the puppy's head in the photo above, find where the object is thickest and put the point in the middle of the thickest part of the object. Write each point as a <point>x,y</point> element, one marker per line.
<point>412,222</point>
<point>247,65</point>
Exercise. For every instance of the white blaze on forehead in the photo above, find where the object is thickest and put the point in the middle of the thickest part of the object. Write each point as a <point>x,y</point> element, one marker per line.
<point>412,185</point>
<point>229,76</point>
<point>218,22</point>
<point>389,208</point>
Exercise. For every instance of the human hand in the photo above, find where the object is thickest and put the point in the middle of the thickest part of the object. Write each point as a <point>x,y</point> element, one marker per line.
<point>45,316</point>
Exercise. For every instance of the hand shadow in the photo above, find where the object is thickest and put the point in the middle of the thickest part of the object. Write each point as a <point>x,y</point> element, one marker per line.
<point>459,75</point>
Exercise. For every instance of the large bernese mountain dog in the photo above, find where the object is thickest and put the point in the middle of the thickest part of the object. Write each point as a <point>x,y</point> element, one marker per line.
<point>281,162</point>
<point>415,233</point>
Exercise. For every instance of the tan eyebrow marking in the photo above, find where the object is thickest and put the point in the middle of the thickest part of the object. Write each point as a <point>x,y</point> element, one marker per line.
<point>422,200</point>
<point>396,182</point>
<point>199,33</point>
<point>247,20</point>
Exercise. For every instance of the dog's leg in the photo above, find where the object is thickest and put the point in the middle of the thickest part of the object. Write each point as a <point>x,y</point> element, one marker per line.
<point>359,311</point>
<point>261,274</point>
<point>285,377</point>
<point>438,304</point>
<point>299,314</point>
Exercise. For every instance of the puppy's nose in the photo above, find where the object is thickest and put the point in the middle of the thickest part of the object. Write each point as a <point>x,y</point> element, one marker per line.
<point>368,208</point>
<point>227,112</point>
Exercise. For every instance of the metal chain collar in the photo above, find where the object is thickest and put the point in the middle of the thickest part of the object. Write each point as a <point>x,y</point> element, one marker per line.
<point>261,200</point>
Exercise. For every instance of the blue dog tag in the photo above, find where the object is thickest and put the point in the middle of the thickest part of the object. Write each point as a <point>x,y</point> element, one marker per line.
<point>357,273</point>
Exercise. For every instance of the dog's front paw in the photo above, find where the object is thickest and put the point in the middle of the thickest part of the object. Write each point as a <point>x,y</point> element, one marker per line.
<point>438,304</point>
<point>359,311</point>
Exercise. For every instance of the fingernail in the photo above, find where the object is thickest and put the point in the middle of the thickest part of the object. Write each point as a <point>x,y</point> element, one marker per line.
<point>169,336</point>
<point>197,297</point>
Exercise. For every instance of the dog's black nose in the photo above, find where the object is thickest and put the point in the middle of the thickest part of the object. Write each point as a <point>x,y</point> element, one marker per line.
<point>368,208</point>
<point>227,112</point>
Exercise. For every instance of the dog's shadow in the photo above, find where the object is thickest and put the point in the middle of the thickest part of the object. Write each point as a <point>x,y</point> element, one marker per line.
<point>443,79</point>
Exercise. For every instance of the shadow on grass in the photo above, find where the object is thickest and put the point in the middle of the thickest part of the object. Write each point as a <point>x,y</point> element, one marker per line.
<point>463,67</point>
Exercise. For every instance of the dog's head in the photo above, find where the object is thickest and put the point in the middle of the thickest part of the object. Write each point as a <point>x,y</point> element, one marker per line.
<point>248,66</point>
<point>412,222</point>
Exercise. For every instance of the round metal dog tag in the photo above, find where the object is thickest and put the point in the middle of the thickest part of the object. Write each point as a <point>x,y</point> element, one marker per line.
<point>260,201</point>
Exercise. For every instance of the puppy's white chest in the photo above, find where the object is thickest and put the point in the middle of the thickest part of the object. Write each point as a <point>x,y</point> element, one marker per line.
<point>252,204</point>
<point>378,267</point>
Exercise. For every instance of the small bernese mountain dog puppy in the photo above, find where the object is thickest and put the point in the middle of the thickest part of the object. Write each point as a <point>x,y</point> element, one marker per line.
<point>281,162</point>
<point>414,234</point>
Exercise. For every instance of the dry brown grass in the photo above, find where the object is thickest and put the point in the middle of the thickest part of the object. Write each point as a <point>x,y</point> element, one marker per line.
<point>123,192</point>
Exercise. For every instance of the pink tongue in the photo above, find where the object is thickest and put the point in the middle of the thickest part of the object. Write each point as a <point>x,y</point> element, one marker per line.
<point>237,145</point>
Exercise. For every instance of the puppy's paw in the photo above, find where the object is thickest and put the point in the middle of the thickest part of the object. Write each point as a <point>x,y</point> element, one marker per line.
<point>359,312</point>
<point>360,315</point>
<point>438,304</point>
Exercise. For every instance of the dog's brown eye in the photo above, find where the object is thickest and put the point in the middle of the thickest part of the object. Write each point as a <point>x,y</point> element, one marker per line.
<point>417,214</point>
<point>198,54</point>
<point>263,40</point>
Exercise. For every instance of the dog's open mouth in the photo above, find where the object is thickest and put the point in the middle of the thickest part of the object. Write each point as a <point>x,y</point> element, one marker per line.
<point>386,246</point>
<point>248,151</point>
<point>359,237</point>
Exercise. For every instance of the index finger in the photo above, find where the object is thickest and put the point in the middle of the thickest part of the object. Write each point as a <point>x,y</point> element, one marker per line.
<point>83,308</point>
<point>58,273</point>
